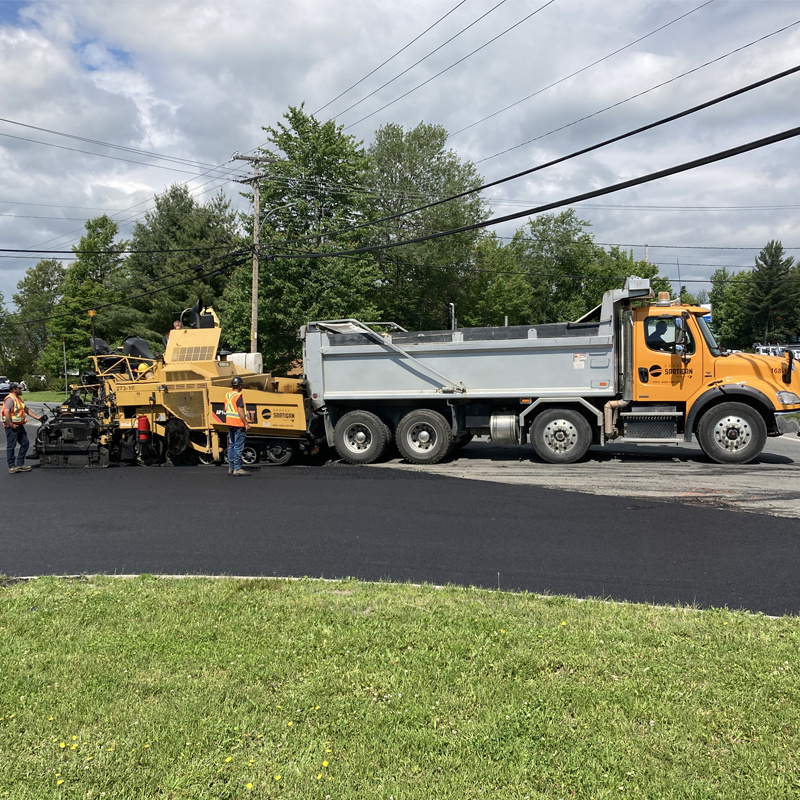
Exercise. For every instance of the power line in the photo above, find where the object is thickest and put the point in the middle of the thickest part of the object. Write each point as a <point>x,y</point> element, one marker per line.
<point>582,151</point>
<point>425,57</point>
<point>121,250</point>
<point>455,64</point>
<point>99,155</point>
<point>100,306</point>
<point>124,148</point>
<point>383,64</point>
<point>686,166</point>
<point>640,94</point>
<point>582,69</point>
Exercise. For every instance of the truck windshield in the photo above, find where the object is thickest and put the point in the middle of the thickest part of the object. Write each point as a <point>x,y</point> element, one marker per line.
<point>711,342</point>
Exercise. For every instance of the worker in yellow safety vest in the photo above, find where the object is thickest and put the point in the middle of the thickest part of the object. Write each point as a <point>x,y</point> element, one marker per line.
<point>14,419</point>
<point>238,425</point>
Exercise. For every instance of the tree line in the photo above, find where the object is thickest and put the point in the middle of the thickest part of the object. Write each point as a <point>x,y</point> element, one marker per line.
<point>324,197</point>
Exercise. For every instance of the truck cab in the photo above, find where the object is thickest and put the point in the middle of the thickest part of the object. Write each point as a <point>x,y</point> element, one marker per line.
<point>730,402</point>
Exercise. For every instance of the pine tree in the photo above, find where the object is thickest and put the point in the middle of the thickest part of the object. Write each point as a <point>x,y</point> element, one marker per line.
<point>774,294</point>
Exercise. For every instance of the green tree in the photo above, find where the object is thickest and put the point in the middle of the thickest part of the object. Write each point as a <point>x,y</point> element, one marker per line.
<point>731,322</point>
<point>88,284</point>
<point>692,298</point>
<point>314,189</point>
<point>409,169</point>
<point>567,272</point>
<point>37,295</point>
<point>8,336</point>
<point>774,294</point>
<point>179,239</point>
<point>498,289</point>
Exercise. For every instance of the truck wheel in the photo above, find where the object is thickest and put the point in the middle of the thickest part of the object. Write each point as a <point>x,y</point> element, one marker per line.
<point>560,435</point>
<point>424,437</point>
<point>360,437</point>
<point>732,433</point>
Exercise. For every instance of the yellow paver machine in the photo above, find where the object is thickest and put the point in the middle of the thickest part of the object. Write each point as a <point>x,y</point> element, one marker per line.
<point>134,407</point>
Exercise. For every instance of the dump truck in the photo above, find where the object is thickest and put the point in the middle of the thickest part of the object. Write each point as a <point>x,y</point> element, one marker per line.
<point>631,370</point>
<point>134,407</point>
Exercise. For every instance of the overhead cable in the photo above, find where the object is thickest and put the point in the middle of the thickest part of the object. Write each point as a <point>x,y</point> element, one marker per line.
<point>653,176</point>
<point>100,306</point>
<point>582,69</point>
<point>419,61</point>
<point>447,69</point>
<point>572,155</point>
<point>391,57</point>
<point>639,94</point>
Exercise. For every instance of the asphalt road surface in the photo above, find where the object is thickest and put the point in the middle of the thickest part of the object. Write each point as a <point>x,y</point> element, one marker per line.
<point>394,523</point>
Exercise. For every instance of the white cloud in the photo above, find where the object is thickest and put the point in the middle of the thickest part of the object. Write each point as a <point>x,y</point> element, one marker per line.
<point>198,80</point>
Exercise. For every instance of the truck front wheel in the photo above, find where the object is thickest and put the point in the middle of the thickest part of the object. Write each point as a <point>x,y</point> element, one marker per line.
<point>360,437</point>
<point>732,433</point>
<point>424,437</point>
<point>560,435</point>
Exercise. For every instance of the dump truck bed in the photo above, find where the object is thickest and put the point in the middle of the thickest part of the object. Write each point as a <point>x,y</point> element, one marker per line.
<point>347,360</point>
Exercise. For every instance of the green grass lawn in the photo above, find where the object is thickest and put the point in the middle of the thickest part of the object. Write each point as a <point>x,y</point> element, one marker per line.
<point>43,397</point>
<point>199,688</point>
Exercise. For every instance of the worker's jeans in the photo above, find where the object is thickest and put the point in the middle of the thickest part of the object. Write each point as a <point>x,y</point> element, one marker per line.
<point>236,438</point>
<point>18,436</point>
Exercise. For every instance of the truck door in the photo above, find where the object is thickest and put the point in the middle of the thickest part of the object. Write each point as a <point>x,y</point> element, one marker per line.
<point>661,374</point>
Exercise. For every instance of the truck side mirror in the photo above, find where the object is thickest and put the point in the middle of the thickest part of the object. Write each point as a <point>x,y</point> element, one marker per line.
<point>680,333</point>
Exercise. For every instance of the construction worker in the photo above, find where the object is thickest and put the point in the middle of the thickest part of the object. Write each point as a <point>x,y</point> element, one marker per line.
<point>238,425</point>
<point>14,419</point>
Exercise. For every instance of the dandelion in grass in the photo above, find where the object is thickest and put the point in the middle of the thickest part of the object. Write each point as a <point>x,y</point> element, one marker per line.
<point>324,763</point>
<point>277,777</point>
<point>59,781</point>
<point>249,786</point>
<point>228,759</point>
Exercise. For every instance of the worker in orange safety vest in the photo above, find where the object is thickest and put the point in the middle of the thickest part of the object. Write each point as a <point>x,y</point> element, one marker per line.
<point>238,425</point>
<point>14,419</point>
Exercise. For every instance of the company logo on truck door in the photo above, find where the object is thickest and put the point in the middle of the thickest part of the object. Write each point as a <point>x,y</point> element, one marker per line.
<point>656,371</point>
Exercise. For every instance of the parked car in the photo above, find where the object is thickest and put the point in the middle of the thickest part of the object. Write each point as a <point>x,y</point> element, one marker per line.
<point>5,387</point>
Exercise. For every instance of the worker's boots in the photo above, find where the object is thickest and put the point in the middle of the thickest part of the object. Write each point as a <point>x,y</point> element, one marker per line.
<point>236,472</point>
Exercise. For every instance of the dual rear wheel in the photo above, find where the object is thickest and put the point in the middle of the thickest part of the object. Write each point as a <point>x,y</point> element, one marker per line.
<point>422,437</point>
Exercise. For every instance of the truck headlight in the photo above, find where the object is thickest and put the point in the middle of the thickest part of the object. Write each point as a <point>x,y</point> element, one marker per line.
<point>788,398</point>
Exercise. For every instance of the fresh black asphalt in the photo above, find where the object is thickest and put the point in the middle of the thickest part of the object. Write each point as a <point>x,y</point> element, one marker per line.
<point>380,524</point>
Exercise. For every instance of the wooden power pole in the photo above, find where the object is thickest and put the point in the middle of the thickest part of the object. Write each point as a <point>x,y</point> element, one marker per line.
<point>254,182</point>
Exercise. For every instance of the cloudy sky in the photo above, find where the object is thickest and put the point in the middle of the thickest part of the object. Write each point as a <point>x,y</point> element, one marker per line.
<point>178,86</point>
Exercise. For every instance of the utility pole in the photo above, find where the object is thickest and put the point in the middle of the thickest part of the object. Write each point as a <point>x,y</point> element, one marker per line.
<point>254,182</point>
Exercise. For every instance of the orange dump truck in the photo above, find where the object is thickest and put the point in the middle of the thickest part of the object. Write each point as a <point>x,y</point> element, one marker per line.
<point>631,370</point>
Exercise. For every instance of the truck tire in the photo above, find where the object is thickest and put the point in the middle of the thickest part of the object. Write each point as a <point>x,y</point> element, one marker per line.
<point>560,435</point>
<point>732,433</point>
<point>424,437</point>
<point>360,437</point>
